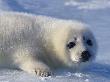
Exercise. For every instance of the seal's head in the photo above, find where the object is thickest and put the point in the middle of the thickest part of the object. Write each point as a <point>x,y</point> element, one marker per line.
<point>74,43</point>
<point>81,45</point>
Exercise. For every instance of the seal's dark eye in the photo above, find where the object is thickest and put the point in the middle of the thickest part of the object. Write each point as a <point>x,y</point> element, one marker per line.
<point>71,45</point>
<point>89,42</point>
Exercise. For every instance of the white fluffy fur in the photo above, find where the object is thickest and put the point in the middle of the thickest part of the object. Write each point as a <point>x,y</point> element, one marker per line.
<point>37,44</point>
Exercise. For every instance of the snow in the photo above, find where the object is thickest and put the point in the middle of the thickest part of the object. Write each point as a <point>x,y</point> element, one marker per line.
<point>93,12</point>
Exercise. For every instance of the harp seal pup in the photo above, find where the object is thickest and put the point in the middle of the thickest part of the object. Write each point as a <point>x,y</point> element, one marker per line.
<point>40,44</point>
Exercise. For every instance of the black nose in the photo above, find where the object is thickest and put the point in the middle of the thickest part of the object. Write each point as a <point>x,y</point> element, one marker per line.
<point>85,56</point>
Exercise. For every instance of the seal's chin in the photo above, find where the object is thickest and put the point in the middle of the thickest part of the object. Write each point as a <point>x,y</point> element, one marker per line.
<point>82,61</point>
<point>76,61</point>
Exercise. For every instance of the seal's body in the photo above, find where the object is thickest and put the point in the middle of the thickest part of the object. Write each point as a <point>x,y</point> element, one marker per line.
<point>38,44</point>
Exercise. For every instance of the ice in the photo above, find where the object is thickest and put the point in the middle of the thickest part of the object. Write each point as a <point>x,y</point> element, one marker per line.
<point>96,13</point>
